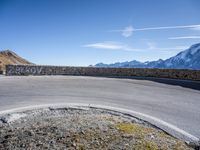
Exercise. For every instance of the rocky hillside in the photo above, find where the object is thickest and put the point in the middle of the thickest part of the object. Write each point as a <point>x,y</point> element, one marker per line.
<point>187,59</point>
<point>9,57</point>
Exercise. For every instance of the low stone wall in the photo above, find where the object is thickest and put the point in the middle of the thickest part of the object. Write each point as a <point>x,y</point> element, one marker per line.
<point>108,72</point>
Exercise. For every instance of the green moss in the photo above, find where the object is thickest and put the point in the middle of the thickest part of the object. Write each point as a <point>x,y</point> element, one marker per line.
<point>141,134</point>
<point>146,145</point>
<point>132,128</point>
<point>179,146</point>
<point>127,127</point>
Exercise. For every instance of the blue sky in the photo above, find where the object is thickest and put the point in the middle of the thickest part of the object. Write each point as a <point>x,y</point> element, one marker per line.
<point>84,32</point>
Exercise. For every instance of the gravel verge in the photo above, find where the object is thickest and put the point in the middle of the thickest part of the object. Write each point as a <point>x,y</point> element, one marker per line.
<point>81,128</point>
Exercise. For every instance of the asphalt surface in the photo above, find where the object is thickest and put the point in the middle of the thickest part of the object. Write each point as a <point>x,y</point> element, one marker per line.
<point>176,104</point>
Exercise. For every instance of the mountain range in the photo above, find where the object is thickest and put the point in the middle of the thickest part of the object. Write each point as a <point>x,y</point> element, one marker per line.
<point>187,59</point>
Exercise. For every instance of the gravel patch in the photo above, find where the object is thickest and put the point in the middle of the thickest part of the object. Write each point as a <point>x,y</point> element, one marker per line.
<point>81,129</point>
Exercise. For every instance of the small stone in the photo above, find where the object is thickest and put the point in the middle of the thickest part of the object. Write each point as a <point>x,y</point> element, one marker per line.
<point>97,142</point>
<point>152,137</point>
<point>22,145</point>
<point>8,136</point>
<point>126,144</point>
<point>4,141</point>
<point>83,132</point>
<point>74,144</point>
<point>51,142</point>
<point>29,133</point>
<point>127,136</point>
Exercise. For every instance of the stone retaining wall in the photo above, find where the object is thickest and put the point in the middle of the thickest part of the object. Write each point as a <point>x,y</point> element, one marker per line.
<point>108,72</point>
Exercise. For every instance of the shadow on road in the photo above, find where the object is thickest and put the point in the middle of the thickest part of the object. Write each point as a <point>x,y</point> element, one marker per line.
<point>184,83</point>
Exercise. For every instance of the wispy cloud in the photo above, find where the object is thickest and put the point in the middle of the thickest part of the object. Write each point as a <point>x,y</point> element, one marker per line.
<point>120,46</point>
<point>152,46</point>
<point>110,45</point>
<point>197,28</point>
<point>169,48</point>
<point>128,31</point>
<point>184,37</point>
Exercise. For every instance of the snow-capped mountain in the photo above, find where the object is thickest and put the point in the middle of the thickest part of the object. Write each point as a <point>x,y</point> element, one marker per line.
<point>187,59</point>
<point>126,64</point>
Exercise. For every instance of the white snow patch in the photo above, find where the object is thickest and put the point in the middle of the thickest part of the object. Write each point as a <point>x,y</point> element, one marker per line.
<point>193,51</point>
<point>183,55</point>
<point>168,64</point>
<point>188,59</point>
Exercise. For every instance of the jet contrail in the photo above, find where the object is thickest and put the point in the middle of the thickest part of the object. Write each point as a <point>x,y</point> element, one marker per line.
<point>167,27</point>
<point>184,37</point>
<point>157,28</point>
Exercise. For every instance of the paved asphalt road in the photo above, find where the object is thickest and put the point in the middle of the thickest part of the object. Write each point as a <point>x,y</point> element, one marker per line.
<point>174,104</point>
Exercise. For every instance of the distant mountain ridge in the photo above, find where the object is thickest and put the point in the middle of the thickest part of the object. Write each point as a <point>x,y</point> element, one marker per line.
<point>187,59</point>
<point>9,57</point>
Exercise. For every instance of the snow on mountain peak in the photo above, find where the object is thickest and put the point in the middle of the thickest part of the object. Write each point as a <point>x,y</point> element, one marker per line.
<point>187,59</point>
<point>195,48</point>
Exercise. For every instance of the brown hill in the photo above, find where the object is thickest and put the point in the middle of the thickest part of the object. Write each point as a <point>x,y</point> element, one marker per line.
<point>9,57</point>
